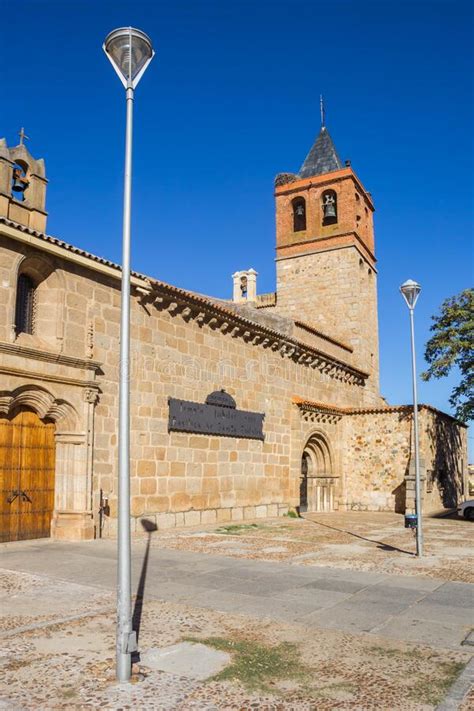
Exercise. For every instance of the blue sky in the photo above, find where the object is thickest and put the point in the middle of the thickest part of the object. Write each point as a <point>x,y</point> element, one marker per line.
<point>230,100</point>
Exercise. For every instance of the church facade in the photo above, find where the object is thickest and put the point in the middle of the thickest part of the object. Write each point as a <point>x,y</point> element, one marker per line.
<point>240,409</point>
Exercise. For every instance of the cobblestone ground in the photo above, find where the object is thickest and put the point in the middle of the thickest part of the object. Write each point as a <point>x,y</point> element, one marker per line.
<point>360,541</point>
<point>70,665</point>
<point>57,640</point>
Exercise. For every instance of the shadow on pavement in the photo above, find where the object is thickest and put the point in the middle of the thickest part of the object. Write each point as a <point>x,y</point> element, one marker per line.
<point>150,527</point>
<point>380,544</point>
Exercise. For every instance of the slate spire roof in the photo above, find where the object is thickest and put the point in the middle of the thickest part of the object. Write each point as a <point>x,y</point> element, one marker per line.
<point>322,157</point>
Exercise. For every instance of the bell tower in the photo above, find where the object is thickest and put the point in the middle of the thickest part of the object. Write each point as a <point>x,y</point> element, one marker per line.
<point>22,186</point>
<point>325,253</point>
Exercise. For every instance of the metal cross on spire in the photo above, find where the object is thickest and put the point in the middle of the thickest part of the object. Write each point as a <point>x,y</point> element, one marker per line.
<point>323,113</point>
<point>23,135</point>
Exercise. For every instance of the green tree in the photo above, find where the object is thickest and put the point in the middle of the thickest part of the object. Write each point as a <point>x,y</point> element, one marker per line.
<point>453,345</point>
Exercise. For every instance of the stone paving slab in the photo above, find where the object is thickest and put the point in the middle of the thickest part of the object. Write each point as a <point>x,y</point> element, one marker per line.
<point>196,661</point>
<point>410,628</point>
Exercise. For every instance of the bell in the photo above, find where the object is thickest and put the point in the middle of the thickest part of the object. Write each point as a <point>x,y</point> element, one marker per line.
<point>329,207</point>
<point>18,185</point>
<point>329,210</point>
<point>299,211</point>
<point>19,182</point>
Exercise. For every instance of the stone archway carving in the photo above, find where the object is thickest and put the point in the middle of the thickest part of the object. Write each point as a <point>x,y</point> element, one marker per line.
<point>43,403</point>
<point>72,517</point>
<point>318,478</point>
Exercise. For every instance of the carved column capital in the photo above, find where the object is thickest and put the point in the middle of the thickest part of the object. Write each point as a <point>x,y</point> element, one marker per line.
<point>91,395</point>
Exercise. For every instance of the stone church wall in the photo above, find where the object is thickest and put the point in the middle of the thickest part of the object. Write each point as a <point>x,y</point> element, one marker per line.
<point>180,478</point>
<point>335,291</point>
<point>379,469</point>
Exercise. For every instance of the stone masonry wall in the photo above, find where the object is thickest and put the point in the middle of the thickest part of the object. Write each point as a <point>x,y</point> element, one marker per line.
<point>335,291</point>
<point>176,478</point>
<point>379,465</point>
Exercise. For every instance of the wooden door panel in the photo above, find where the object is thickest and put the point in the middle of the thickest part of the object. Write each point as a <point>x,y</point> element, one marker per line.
<point>27,464</point>
<point>10,465</point>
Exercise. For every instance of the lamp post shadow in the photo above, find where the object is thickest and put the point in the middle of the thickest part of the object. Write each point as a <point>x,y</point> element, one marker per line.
<point>150,527</point>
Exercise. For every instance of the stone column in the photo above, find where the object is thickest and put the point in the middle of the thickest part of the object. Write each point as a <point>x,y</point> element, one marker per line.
<point>251,285</point>
<point>237,291</point>
<point>73,515</point>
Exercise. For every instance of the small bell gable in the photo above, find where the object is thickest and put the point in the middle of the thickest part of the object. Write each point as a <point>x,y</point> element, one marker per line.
<point>22,186</point>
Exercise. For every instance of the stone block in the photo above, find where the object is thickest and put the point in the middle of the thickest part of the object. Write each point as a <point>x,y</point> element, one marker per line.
<point>261,511</point>
<point>249,512</point>
<point>224,514</point>
<point>177,469</point>
<point>180,501</point>
<point>192,518</point>
<point>165,520</point>
<point>209,516</point>
<point>272,510</point>
<point>237,513</point>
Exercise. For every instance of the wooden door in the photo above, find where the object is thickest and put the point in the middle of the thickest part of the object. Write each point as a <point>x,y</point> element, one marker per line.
<point>27,463</point>
<point>324,494</point>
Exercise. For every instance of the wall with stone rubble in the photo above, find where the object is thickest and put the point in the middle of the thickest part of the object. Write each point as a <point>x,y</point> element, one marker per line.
<point>379,467</point>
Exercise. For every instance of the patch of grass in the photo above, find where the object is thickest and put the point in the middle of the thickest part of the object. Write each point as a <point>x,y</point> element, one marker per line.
<point>291,514</point>
<point>256,665</point>
<point>68,692</point>
<point>433,688</point>
<point>392,652</point>
<point>234,529</point>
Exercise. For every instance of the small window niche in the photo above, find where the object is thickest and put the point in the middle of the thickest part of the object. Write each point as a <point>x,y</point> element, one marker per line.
<point>299,214</point>
<point>25,305</point>
<point>329,207</point>
<point>20,180</point>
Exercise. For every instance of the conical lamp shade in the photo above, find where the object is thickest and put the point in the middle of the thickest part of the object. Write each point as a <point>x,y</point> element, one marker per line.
<point>129,50</point>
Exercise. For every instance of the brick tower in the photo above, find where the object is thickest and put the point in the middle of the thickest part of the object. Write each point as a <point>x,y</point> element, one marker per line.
<point>325,257</point>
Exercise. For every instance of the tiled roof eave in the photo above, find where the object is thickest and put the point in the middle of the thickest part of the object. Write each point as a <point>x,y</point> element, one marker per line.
<point>315,406</point>
<point>223,318</point>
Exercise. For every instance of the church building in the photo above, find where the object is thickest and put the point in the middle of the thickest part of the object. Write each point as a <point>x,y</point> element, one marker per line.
<point>240,409</point>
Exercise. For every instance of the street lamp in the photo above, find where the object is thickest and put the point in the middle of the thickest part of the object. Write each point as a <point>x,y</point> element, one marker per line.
<point>410,291</point>
<point>130,52</point>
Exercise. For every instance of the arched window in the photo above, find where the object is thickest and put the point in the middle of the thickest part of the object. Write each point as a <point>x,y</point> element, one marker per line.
<point>329,207</point>
<point>299,214</point>
<point>25,305</point>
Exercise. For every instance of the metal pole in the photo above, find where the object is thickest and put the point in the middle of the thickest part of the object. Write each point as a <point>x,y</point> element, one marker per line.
<point>419,531</point>
<point>124,591</point>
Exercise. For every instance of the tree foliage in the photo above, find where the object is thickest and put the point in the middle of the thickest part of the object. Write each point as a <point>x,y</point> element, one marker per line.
<point>452,344</point>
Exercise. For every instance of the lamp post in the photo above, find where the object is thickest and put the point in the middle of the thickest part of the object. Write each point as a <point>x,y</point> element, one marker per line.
<point>410,291</point>
<point>130,52</point>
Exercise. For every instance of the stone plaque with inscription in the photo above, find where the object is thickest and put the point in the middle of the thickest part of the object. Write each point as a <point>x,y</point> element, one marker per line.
<point>217,416</point>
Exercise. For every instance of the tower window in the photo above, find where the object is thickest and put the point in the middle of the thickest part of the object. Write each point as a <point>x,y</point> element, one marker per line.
<point>329,207</point>
<point>299,214</point>
<point>25,305</point>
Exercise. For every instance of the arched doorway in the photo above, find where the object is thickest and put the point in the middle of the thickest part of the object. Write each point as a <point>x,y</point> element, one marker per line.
<point>27,467</point>
<point>317,483</point>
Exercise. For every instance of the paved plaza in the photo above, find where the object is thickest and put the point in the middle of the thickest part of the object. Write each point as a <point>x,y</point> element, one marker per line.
<point>424,610</point>
<point>354,637</point>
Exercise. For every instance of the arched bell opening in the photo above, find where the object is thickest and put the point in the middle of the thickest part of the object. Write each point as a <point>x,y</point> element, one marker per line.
<point>329,207</point>
<point>20,180</point>
<point>317,481</point>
